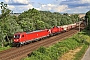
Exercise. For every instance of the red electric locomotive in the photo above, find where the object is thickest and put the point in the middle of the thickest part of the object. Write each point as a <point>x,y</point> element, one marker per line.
<point>56,30</point>
<point>24,37</point>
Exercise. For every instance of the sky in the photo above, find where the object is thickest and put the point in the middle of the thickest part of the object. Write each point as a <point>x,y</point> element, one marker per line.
<point>61,6</point>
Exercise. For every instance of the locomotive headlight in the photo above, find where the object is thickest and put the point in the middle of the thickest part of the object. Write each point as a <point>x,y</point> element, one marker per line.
<point>16,40</point>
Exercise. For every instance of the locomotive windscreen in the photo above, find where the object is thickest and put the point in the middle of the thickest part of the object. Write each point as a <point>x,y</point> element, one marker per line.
<point>16,36</point>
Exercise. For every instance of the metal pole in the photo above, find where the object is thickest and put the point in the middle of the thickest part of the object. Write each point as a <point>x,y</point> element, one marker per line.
<point>79,25</point>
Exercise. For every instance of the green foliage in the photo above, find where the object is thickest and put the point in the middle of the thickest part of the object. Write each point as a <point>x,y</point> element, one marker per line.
<point>79,55</point>
<point>57,50</point>
<point>42,50</point>
<point>65,14</point>
<point>67,43</point>
<point>5,12</point>
<point>87,18</point>
<point>33,19</point>
<point>82,37</point>
<point>8,24</point>
<point>40,25</point>
<point>8,27</point>
<point>28,20</point>
<point>88,15</point>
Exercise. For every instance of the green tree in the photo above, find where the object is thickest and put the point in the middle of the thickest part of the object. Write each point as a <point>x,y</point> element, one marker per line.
<point>40,25</point>
<point>65,14</point>
<point>8,24</point>
<point>4,10</point>
<point>33,15</point>
<point>3,15</point>
<point>87,18</point>
<point>26,24</point>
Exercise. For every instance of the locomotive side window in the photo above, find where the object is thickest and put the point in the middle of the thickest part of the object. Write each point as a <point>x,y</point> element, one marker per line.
<point>22,35</point>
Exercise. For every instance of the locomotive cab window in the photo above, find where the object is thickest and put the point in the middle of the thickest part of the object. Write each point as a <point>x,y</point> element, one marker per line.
<point>16,36</point>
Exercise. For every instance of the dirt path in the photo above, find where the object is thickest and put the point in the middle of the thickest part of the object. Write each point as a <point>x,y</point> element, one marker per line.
<point>70,54</point>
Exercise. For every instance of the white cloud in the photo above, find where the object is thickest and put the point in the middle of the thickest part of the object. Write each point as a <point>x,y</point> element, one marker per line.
<point>17,1</point>
<point>57,6</point>
<point>22,1</point>
<point>61,8</point>
<point>29,6</point>
<point>38,8</point>
<point>80,9</point>
<point>23,8</point>
<point>19,8</point>
<point>85,1</point>
<point>6,1</point>
<point>53,7</point>
<point>47,6</point>
<point>11,7</point>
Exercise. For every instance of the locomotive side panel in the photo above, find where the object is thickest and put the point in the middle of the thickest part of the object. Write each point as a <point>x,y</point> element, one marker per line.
<point>36,35</point>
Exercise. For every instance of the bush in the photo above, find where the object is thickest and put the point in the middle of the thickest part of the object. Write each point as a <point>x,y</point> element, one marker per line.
<point>69,43</point>
<point>55,51</point>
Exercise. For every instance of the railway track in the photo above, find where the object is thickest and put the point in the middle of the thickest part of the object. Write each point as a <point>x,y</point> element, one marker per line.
<point>18,53</point>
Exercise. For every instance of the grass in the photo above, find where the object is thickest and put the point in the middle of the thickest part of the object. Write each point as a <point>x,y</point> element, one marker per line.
<point>4,48</point>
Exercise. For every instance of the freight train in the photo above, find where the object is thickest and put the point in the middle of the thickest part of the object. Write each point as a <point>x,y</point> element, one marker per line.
<point>22,38</point>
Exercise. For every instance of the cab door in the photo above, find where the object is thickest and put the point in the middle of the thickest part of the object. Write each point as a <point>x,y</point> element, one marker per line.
<point>23,38</point>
